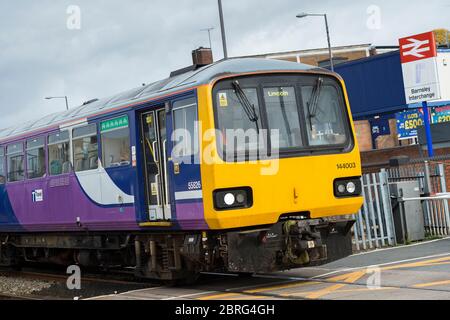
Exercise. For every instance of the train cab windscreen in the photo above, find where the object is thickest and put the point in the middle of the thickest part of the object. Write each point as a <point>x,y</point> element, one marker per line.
<point>289,113</point>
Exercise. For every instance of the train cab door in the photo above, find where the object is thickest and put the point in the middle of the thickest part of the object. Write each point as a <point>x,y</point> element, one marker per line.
<point>154,143</point>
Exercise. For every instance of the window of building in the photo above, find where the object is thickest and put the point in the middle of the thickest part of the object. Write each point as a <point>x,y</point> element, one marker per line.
<point>35,158</point>
<point>15,160</point>
<point>59,153</point>
<point>2,166</point>
<point>185,127</point>
<point>85,148</point>
<point>115,142</point>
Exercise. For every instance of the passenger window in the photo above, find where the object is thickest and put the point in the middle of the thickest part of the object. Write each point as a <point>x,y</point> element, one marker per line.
<point>326,126</point>
<point>85,148</point>
<point>232,118</point>
<point>15,160</point>
<point>35,158</point>
<point>185,128</point>
<point>2,166</point>
<point>115,142</point>
<point>58,153</point>
<point>283,115</point>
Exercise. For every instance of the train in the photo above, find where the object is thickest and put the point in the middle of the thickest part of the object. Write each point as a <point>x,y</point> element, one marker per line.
<point>243,165</point>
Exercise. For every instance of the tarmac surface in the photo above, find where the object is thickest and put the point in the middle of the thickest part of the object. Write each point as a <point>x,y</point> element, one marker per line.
<point>418,271</point>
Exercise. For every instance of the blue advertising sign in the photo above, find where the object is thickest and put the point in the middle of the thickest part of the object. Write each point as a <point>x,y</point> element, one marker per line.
<point>380,127</point>
<point>408,122</point>
<point>440,114</point>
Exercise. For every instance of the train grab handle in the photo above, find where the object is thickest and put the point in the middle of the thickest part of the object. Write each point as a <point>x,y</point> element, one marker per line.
<point>165,172</point>
<point>158,202</point>
<point>155,154</point>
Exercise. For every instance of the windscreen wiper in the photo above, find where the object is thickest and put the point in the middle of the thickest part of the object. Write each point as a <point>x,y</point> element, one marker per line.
<point>313,102</point>
<point>248,107</point>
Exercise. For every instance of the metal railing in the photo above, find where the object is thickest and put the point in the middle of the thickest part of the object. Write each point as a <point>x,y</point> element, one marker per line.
<point>436,213</point>
<point>374,226</point>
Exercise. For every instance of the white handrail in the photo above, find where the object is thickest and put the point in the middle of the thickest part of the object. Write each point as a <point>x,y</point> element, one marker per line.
<point>165,172</point>
<point>438,196</point>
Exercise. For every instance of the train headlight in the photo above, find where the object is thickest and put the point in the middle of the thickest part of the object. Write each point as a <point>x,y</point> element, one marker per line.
<point>347,187</point>
<point>240,198</point>
<point>341,188</point>
<point>351,187</point>
<point>229,199</point>
<point>226,199</point>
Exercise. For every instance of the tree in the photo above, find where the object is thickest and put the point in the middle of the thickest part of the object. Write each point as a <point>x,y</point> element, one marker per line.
<point>442,36</point>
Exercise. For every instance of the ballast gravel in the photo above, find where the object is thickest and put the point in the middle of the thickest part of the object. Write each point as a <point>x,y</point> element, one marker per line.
<point>21,286</point>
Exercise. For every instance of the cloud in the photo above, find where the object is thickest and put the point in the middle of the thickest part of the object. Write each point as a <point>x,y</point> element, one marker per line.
<point>123,44</point>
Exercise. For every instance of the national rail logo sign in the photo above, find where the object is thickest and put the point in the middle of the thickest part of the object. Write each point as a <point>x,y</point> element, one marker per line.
<point>418,56</point>
<point>418,47</point>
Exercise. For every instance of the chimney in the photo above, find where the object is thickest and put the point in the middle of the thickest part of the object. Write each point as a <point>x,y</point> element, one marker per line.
<point>202,57</point>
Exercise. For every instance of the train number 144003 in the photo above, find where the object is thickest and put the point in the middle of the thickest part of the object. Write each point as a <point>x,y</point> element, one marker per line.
<point>347,165</point>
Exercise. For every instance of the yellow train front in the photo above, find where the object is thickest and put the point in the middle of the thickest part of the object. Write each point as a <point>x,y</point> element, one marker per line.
<point>280,168</point>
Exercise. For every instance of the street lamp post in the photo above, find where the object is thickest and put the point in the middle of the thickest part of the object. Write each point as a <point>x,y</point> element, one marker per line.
<point>222,28</point>
<point>64,97</point>
<point>303,15</point>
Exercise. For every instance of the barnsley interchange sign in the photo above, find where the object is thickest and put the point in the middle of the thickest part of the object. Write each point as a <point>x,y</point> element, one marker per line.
<point>418,56</point>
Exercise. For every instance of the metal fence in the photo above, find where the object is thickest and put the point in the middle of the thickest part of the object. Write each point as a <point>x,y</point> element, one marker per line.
<point>436,211</point>
<point>431,178</point>
<point>374,227</point>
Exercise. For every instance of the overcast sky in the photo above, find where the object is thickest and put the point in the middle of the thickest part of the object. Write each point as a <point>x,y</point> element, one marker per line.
<point>122,44</point>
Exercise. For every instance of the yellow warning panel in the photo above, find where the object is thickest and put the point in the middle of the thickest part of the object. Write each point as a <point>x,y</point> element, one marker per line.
<point>223,100</point>
<point>156,224</point>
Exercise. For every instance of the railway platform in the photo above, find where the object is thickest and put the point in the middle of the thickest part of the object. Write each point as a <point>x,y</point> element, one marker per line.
<point>416,271</point>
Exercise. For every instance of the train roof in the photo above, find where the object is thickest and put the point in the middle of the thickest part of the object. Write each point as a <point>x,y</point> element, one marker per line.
<point>173,84</point>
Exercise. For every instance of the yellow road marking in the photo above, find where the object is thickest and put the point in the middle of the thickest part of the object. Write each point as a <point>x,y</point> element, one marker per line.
<point>247,297</point>
<point>430,284</point>
<point>423,263</point>
<point>347,278</point>
<point>439,263</point>
<point>306,293</point>
<point>219,296</point>
<point>283,286</point>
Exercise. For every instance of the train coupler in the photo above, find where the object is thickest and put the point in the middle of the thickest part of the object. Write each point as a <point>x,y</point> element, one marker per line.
<point>288,244</point>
